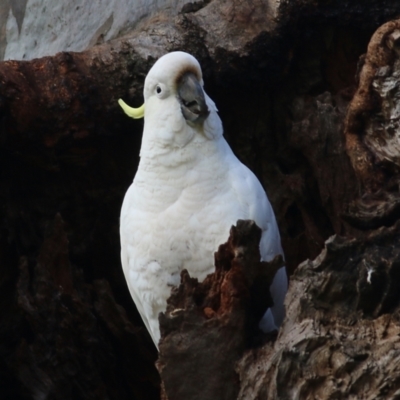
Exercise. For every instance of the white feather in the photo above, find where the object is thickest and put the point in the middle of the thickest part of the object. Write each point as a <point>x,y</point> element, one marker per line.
<point>188,191</point>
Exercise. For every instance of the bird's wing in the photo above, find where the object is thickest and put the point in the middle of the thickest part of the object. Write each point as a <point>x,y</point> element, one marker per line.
<point>131,263</point>
<point>252,197</point>
<point>132,289</point>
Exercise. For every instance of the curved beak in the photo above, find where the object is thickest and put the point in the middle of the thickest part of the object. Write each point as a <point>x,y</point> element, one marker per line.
<point>191,97</point>
<point>130,111</point>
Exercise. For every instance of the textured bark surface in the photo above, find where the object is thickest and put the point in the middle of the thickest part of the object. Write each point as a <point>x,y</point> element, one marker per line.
<point>372,123</point>
<point>315,122</point>
<point>36,28</point>
<point>208,325</point>
<point>372,131</point>
<point>340,338</point>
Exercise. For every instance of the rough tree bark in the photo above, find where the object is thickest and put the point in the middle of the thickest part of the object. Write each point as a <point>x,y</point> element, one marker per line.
<point>316,121</point>
<point>216,320</point>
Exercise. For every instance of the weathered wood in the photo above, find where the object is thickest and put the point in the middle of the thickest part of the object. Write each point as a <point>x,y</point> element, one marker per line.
<point>208,325</point>
<point>371,123</point>
<point>341,335</point>
<point>282,75</point>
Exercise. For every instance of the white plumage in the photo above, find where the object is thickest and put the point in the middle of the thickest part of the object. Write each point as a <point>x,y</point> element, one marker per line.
<point>188,191</point>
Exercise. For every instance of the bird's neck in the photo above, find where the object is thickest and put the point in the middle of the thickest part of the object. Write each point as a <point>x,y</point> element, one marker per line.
<point>182,174</point>
<point>173,164</point>
<point>193,153</point>
<point>171,151</point>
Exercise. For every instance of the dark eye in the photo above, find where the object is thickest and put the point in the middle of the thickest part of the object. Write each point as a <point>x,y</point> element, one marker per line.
<point>158,89</point>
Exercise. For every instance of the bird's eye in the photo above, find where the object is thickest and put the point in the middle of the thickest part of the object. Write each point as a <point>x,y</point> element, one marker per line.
<point>158,89</point>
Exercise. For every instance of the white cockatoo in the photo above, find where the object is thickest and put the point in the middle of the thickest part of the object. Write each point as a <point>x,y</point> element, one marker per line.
<point>188,191</point>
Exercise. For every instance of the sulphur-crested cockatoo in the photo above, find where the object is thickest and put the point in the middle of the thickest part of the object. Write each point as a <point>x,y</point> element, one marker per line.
<point>188,191</point>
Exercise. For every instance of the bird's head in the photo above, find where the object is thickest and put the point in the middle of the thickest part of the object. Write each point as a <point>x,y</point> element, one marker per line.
<point>176,106</point>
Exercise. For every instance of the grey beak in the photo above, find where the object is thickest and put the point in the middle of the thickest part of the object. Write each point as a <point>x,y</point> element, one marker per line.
<point>191,97</point>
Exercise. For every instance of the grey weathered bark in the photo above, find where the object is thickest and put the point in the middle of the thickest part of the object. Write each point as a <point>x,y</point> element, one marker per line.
<point>283,77</point>
<point>341,335</point>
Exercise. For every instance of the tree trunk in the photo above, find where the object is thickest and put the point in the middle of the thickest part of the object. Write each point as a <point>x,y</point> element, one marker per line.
<point>311,108</point>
